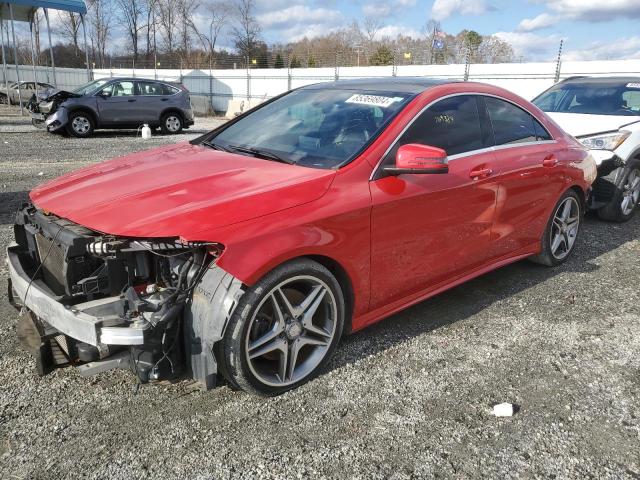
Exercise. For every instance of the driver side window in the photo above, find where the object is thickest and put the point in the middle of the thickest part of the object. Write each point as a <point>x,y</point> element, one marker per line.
<point>119,89</point>
<point>452,124</point>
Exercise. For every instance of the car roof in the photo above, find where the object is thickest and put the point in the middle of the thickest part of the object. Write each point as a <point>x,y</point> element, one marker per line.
<point>388,84</point>
<point>136,79</point>
<point>601,80</point>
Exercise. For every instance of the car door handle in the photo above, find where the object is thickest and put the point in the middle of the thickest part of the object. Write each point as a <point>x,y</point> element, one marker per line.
<point>550,161</point>
<point>131,100</point>
<point>164,99</point>
<point>477,173</point>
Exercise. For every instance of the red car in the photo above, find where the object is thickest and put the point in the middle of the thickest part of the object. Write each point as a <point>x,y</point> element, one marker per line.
<point>250,250</point>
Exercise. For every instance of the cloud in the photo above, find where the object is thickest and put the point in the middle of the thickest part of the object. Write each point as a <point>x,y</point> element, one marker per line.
<point>392,31</point>
<point>620,49</point>
<point>443,9</point>
<point>543,20</point>
<point>298,14</point>
<point>377,9</point>
<point>595,10</point>
<point>531,46</point>
<point>386,8</point>
<point>298,21</point>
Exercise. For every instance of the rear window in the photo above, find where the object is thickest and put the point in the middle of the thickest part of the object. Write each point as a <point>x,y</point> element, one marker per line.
<point>169,90</point>
<point>606,98</point>
<point>511,124</point>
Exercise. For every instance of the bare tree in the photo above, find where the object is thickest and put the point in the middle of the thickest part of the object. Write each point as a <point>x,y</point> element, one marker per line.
<point>494,50</point>
<point>70,27</point>
<point>217,13</point>
<point>246,33</point>
<point>150,23</point>
<point>372,26</point>
<point>131,17</point>
<point>167,21</point>
<point>100,16</point>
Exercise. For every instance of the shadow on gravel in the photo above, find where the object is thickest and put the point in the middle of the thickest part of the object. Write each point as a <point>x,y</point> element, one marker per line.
<point>154,133</point>
<point>474,296</point>
<point>10,202</point>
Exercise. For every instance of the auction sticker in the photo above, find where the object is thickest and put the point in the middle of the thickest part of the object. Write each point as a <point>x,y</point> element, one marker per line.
<point>633,85</point>
<point>374,100</point>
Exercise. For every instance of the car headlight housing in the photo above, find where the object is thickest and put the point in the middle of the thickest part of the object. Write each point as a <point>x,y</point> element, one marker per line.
<point>607,141</point>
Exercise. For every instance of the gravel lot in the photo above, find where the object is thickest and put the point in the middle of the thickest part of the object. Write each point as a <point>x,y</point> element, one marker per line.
<point>409,397</point>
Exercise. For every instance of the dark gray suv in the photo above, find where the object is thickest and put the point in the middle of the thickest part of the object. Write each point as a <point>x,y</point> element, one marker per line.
<point>115,103</point>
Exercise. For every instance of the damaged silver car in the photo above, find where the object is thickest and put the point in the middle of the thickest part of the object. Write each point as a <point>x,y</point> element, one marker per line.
<point>114,103</point>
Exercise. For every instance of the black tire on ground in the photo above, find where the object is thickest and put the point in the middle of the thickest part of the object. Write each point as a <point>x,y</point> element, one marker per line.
<point>171,123</point>
<point>618,181</point>
<point>80,124</point>
<point>550,256</point>
<point>232,352</point>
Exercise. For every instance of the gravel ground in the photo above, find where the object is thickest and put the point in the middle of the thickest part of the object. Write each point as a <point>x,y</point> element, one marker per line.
<point>409,397</point>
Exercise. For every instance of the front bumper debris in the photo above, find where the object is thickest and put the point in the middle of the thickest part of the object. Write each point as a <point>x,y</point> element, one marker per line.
<point>96,322</point>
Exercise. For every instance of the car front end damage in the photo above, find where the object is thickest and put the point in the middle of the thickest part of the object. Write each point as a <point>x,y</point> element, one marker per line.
<point>155,306</point>
<point>49,109</point>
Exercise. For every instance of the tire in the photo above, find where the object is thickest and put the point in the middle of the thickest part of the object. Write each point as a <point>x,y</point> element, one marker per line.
<point>80,124</point>
<point>171,123</point>
<point>266,356</point>
<point>625,184</point>
<point>554,253</point>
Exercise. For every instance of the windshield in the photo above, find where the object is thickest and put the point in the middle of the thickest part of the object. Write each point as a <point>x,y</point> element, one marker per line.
<point>90,87</point>
<point>620,98</point>
<point>320,128</point>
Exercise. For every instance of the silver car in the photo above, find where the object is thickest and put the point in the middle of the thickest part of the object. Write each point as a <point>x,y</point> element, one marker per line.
<point>27,89</point>
<point>115,103</point>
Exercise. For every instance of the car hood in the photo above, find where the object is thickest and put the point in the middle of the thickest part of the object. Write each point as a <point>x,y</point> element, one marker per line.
<point>178,191</point>
<point>53,94</point>
<point>579,124</point>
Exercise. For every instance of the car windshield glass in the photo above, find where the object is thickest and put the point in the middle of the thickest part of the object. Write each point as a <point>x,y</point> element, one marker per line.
<point>90,87</point>
<point>320,128</point>
<point>620,98</point>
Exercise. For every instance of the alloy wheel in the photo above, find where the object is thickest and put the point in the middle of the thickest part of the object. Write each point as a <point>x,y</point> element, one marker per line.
<point>291,331</point>
<point>630,192</point>
<point>172,123</point>
<point>81,125</point>
<point>564,228</point>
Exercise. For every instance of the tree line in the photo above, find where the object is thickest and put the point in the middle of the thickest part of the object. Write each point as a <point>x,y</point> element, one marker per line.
<point>188,34</point>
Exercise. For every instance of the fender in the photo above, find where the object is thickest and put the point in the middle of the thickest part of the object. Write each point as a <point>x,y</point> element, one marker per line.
<point>205,318</point>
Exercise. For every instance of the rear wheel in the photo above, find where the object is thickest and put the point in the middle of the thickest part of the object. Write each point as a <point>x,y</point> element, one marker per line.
<point>80,124</point>
<point>283,330</point>
<point>171,123</point>
<point>626,193</point>
<point>562,231</point>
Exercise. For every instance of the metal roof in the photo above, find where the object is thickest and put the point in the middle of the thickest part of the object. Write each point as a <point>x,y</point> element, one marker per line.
<point>23,9</point>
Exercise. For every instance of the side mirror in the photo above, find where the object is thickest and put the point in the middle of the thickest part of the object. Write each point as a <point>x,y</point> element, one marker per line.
<point>105,94</point>
<point>416,158</point>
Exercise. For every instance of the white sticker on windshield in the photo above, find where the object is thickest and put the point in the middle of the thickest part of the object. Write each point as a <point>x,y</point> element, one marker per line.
<point>633,85</point>
<point>376,100</point>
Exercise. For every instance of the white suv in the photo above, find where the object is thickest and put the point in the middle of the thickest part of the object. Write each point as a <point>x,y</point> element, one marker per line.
<point>603,113</point>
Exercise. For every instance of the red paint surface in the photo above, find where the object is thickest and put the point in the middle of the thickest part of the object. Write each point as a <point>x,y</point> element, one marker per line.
<point>399,239</point>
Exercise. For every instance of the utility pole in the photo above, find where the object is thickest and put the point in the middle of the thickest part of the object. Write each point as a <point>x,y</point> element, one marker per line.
<point>559,62</point>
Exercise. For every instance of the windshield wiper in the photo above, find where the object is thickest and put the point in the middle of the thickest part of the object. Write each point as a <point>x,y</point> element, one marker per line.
<point>261,154</point>
<point>215,146</point>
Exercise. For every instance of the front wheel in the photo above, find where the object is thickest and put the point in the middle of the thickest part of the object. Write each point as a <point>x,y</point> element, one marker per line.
<point>80,124</point>
<point>626,193</point>
<point>562,230</point>
<point>283,330</point>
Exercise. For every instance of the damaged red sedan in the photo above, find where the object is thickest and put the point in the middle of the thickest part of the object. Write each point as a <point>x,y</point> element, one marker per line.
<point>251,250</point>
